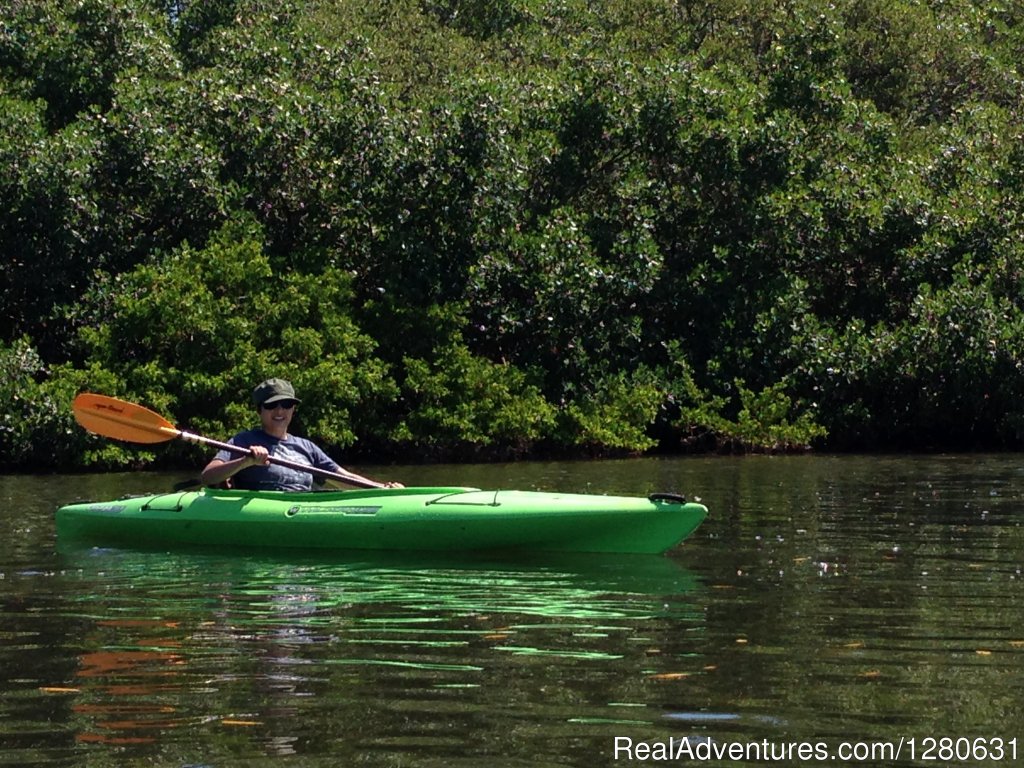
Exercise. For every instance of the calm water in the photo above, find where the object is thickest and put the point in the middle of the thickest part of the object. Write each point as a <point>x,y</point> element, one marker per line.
<point>825,601</point>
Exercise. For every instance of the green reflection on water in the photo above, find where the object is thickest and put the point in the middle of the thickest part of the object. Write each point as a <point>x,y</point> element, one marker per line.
<point>167,643</point>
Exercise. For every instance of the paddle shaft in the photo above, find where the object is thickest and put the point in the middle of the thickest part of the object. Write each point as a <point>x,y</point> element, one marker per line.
<point>194,438</point>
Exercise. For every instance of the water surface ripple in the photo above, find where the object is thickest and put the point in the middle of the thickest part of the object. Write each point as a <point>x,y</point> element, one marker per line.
<point>826,599</point>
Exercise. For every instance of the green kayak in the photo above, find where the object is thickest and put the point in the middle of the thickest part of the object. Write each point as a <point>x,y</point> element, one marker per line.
<point>430,519</point>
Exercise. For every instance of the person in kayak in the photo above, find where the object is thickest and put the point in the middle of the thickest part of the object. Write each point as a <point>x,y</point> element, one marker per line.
<point>275,402</point>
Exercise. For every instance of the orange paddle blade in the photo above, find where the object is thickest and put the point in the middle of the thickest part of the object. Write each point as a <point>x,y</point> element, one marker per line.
<point>121,420</point>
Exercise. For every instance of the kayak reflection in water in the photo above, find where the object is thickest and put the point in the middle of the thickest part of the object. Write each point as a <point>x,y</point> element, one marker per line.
<point>275,401</point>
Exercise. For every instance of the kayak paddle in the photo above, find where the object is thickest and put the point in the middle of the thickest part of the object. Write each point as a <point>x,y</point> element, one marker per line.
<point>132,423</point>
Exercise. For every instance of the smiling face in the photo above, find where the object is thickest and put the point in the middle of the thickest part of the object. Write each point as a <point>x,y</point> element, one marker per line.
<point>277,416</point>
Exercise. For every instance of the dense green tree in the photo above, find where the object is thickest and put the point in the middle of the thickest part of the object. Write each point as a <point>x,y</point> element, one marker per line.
<point>190,331</point>
<point>492,227</point>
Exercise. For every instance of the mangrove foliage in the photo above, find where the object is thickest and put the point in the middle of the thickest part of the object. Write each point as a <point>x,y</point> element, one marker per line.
<point>500,228</point>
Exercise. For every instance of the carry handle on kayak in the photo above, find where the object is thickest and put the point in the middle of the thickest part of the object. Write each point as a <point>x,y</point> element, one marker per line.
<point>133,423</point>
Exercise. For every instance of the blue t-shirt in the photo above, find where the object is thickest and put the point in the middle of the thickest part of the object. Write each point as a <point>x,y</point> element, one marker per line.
<point>275,477</point>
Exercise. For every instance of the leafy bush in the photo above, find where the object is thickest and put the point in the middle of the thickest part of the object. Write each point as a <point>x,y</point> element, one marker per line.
<point>496,228</point>
<point>38,429</point>
<point>465,403</point>
<point>614,415</point>
<point>244,322</point>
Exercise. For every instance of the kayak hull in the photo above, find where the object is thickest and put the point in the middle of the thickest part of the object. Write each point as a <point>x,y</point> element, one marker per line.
<point>413,519</point>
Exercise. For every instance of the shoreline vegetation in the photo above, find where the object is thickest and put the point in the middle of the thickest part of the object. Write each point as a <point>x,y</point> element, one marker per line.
<point>498,229</point>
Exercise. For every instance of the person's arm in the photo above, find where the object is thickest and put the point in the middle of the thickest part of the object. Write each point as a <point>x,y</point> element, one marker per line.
<point>323,461</point>
<point>331,482</point>
<point>218,470</point>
